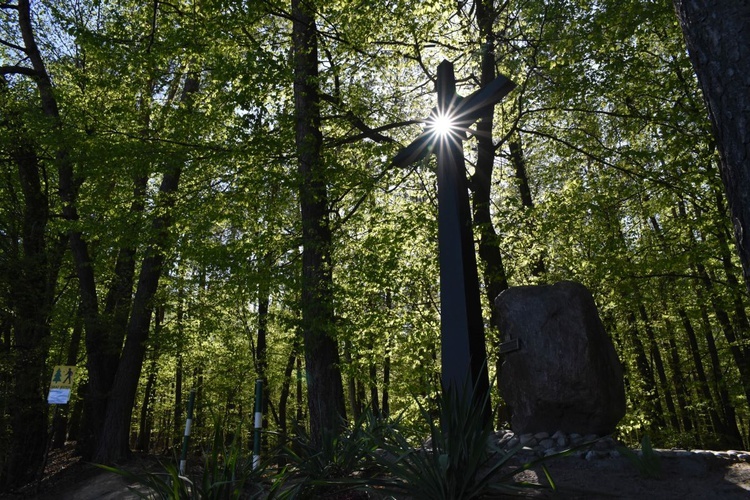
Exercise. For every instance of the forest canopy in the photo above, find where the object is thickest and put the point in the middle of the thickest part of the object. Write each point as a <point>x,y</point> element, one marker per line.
<point>196,194</point>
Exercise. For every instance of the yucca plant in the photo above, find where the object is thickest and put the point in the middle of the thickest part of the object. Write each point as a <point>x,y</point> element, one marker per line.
<point>344,462</point>
<point>460,461</point>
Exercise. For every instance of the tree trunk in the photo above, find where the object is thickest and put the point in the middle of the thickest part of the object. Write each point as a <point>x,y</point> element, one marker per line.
<point>729,434</point>
<point>654,409</point>
<point>517,158</point>
<point>738,354</point>
<point>728,428</point>
<point>261,356</point>
<point>374,398</point>
<point>176,437</point>
<point>113,442</point>
<point>68,189</point>
<point>678,378</point>
<point>32,305</point>
<point>325,389</point>
<point>717,373</point>
<point>717,35</point>
<point>351,382</point>
<point>32,290</point>
<point>741,322</point>
<point>386,401</point>
<point>146,420</point>
<point>493,268</point>
<point>659,364</point>
<point>286,389</point>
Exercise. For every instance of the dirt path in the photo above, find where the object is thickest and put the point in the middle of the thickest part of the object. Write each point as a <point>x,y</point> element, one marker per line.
<point>687,477</point>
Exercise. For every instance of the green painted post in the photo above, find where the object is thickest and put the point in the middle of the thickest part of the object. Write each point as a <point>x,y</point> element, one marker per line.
<point>258,422</point>
<point>186,436</point>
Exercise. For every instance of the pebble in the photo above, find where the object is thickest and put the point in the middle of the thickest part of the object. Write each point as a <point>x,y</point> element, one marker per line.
<point>592,447</point>
<point>527,438</point>
<point>546,444</point>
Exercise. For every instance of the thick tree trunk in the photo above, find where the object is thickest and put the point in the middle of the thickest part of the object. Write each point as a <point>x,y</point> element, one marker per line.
<point>325,389</point>
<point>32,289</point>
<point>113,442</point>
<point>32,304</point>
<point>717,34</point>
<point>106,330</point>
<point>68,188</point>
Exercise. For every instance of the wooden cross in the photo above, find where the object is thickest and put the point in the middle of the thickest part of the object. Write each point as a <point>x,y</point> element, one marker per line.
<point>462,328</point>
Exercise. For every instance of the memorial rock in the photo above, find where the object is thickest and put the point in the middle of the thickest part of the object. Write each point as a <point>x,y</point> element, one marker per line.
<point>560,371</point>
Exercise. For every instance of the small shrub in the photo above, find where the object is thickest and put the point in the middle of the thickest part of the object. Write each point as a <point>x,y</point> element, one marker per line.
<point>226,475</point>
<point>647,463</point>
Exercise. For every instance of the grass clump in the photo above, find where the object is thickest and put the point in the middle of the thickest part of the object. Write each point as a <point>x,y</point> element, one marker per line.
<point>647,462</point>
<point>225,474</point>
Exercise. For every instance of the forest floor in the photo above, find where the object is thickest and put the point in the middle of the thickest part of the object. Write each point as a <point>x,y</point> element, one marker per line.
<point>692,476</point>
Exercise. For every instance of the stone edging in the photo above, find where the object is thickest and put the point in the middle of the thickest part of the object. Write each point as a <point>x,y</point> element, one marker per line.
<point>590,447</point>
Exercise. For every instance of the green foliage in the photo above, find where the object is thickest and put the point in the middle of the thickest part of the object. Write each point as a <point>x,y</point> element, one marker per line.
<point>226,474</point>
<point>647,462</point>
<point>458,461</point>
<point>619,157</point>
<point>345,461</point>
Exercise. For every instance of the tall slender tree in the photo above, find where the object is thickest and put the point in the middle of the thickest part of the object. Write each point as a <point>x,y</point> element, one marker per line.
<point>325,388</point>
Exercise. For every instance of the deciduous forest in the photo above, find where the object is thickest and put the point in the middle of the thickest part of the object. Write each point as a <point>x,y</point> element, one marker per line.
<point>195,194</point>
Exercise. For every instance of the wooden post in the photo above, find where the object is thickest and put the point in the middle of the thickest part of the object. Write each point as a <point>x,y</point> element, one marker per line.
<point>462,328</point>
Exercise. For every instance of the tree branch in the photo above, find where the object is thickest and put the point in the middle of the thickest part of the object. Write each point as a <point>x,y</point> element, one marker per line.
<point>13,46</point>
<point>18,70</point>
<point>358,123</point>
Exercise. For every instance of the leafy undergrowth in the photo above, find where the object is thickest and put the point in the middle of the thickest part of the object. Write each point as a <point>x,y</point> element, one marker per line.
<point>373,458</point>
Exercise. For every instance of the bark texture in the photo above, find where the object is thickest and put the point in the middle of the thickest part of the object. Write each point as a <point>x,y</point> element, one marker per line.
<point>325,389</point>
<point>717,35</point>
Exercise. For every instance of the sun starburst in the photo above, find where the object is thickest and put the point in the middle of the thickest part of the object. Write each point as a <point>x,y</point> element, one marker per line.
<point>441,124</point>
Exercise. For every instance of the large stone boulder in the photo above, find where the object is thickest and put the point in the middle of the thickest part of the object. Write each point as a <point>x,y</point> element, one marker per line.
<point>565,376</point>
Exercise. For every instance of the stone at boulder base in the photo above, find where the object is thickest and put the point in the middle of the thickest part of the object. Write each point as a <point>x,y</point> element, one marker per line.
<point>565,376</point>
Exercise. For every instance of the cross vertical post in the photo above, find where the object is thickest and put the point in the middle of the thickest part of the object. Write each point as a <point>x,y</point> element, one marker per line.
<point>463,352</point>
